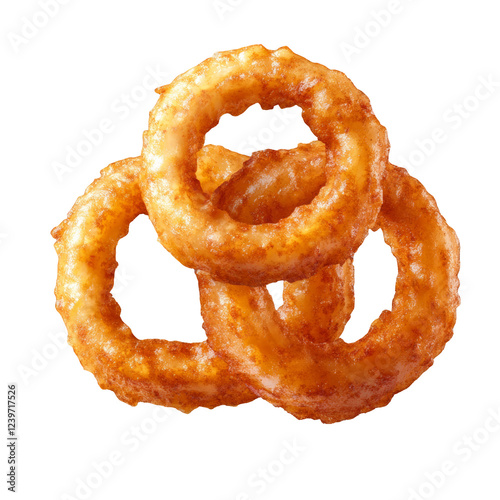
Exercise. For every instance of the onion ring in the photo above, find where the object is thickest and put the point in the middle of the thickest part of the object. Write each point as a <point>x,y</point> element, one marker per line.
<point>326,231</point>
<point>157,371</point>
<point>338,380</point>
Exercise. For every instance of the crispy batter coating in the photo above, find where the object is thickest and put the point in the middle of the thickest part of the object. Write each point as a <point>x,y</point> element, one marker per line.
<point>338,380</point>
<point>328,230</point>
<point>158,371</point>
<point>216,165</point>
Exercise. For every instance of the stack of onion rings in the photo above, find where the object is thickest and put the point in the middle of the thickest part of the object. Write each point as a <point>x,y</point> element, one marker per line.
<point>241,223</point>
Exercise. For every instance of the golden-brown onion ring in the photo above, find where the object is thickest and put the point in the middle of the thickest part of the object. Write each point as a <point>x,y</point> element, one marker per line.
<point>339,380</point>
<point>157,371</point>
<point>326,231</point>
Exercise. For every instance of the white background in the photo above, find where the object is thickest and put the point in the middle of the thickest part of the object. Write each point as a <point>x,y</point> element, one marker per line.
<point>86,63</point>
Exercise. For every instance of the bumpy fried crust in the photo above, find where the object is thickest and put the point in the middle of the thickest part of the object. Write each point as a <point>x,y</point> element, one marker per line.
<point>157,371</point>
<point>339,380</point>
<point>326,231</point>
<point>317,309</point>
<point>216,165</point>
